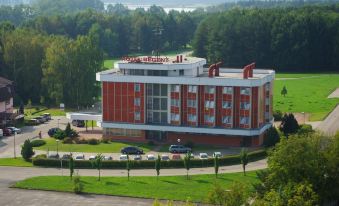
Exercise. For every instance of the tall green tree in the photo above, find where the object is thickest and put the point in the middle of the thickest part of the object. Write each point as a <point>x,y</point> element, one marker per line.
<point>97,164</point>
<point>216,166</point>
<point>244,159</point>
<point>289,125</point>
<point>187,163</point>
<point>158,166</point>
<point>284,91</point>
<point>71,167</point>
<point>128,166</point>
<point>27,150</point>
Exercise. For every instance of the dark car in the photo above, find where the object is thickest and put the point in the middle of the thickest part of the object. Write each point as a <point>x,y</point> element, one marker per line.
<point>131,150</point>
<point>52,131</point>
<point>179,149</point>
<point>78,123</point>
<point>7,132</point>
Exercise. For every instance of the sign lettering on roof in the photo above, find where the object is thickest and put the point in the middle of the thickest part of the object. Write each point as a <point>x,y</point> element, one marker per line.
<point>148,59</point>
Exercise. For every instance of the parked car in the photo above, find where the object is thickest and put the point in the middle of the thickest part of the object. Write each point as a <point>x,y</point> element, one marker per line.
<point>1,133</point>
<point>165,157</point>
<point>203,156</point>
<point>217,154</point>
<point>33,122</point>
<point>179,149</point>
<point>131,150</point>
<point>137,157</point>
<point>40,120</point>
<point>6,132</point>
<point>52,131</point>
<point>176,157</point>
<point>78,123</point>
<point>91,157</point>
<point>150,157</point>
<point>108,158</point>
<point>14,129</point>
<point>43,118</point>
<point>48,116</point>
<point>66,157</point>
<point>123,157</point>
<point>53,156</point>
<point>80,157</point>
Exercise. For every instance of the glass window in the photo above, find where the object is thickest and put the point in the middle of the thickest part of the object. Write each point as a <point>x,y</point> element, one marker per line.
<point>209,89</point>
<point>156,117</point>
<point>226,104</point>
<point>137,102</point>
<point>226,120</point>
<point>137,87</point>
<point>245,105</point>
<point>192,118</point>
<point>181,72</point>
<point>163,104</point>
<point>163,117</point>
<point>175,102</point>
<point>244,120</point>
<point>227,90</point>
<point>267,101</point>
<point>245,91</point>
<point>209,118</point>
<point>156,103</point>
<point>174,117</point>
<point>191,103</point>
<point>192,89</point>
<point>175,88</point>
<point>136,115</point>
<point>156,89</point>
<point>209,104</point>
<point>164,90</point>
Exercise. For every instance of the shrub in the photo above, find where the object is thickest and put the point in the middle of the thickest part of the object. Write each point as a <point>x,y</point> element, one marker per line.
<point>93,141</point>
<point>105,140</point>
<point>59,135</point>
<point>38,142</point>
<point>67,140</point>
<point>271,137</point>
<point>77,185</point>
<point>81,141</point>
<point>278,115</point>
<point>27,150</point>
<point>41,156</point>
<point>189,144</point>
<point>150,143</point>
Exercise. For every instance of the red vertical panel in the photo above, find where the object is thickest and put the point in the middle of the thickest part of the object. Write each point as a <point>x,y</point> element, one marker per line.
<point>184,104</point>
<point>236,108</point>
<point>218,102</point>
<point>111,103</point>
<point>104,102</point>
<point>254,115</point>
<point>201,106</point>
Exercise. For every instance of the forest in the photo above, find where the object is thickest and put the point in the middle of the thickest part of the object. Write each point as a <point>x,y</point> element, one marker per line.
<point>52,49</point>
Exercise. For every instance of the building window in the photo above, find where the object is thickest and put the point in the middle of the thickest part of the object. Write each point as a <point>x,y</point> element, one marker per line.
<point>136,115</point>
<point>245,105</point>
<point>175,102</point>
<point>267,101</point>
<point>209,104</point>
<point>209,89</point>
<point>191,103</point>
<point>175,117</point>
<point>192,89</point>
<point>227,90</point>
<point>192,117</point>
<point>136,87</point>
<point>181,72</point>
<point>267,86</point>
<point>245,91</point>
<point>226,104</point>
<point>244,120</point>
<point>137,102</point>
<point>209,118</point>
<point>175,88</point>
<point>226,119</point>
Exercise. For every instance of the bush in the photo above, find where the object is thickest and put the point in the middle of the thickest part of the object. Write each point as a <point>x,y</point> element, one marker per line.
<point>150,143</point>
<point>105,140</point>
<point>59,135</point>
<point>81,141</point>
<point>189,144</point>
<point>271,137</point>
<point>27,150</point>
<point>93,141</point>
<point>67,140</point>
<point>38,142</point>
<point>77,185</point>
<point>41,156</point>
<point>145,164</point>
<point>278,115</point>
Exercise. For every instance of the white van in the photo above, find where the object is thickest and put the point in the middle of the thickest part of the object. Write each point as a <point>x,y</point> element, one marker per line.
<point>1,133</point>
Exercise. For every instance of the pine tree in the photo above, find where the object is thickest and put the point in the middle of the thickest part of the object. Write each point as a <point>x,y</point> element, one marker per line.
<point>27,150</point>
<point>284,91</point>
<point>187,163</point>
<point>216,166</point>
<point>158,166</point>
<point>71,167</point>
<point>244,159</point>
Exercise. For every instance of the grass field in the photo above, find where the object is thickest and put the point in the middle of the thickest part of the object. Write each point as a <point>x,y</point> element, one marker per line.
<point>18,162</point>
<point>169,187</point>
<point>32,112</point>
<point>306,93</point>
<point>111,147</point>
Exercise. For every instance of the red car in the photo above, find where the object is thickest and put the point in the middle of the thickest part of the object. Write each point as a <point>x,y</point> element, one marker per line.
<point>7,132</point>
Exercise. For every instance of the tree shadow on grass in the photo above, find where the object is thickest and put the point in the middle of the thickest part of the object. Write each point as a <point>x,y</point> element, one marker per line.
<point>111,183</point>
<point>171,182</point>
<point>202,181</point>
<point>140,182</point>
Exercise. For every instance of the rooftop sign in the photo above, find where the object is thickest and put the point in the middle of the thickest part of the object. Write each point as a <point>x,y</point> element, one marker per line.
<point>148,59</point>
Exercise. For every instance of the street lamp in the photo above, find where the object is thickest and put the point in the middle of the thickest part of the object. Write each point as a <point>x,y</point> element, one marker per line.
<point>57,141</point>
<point>14,146</point>
<point>178,141</point>
<point>58,123</point>
<point>304,116</point>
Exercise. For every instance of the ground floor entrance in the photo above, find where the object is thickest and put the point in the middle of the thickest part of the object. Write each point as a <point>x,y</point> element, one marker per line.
<point>158,136</point>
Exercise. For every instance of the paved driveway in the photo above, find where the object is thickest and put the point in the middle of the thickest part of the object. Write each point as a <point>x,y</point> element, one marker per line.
<point>331,124</point>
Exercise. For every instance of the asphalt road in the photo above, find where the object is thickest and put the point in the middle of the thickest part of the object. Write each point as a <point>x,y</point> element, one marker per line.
<point>331,124</point>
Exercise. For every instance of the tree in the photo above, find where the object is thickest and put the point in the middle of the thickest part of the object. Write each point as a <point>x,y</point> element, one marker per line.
<point>236,195</point>
<point>216,166</point>
<point>158,166</point>
<point>271,137</point>
<point>289,125</point>
<point>97,163</point>
<point>27,150</point>
<point>128,166</point>
<point>284,91</point>
<point>68,130</point>
<point>244,159</point>
<point>187,162</point>
<point>71,167</point>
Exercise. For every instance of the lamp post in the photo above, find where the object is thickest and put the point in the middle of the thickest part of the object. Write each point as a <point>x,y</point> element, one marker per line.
<point>179,140</point>
<point>58,123</point>
<point>14,146</point>
<point>304,116</point>
<point>57,141</point>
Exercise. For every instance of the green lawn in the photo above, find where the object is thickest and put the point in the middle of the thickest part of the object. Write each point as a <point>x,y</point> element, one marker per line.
<point>112,147</point>
<point>170,187</point>
<point>18,162</point>
<point>32,112</point>
<point>306,94</point>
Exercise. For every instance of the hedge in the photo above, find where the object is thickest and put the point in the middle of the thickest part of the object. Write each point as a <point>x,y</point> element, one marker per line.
<point>146,164</point>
